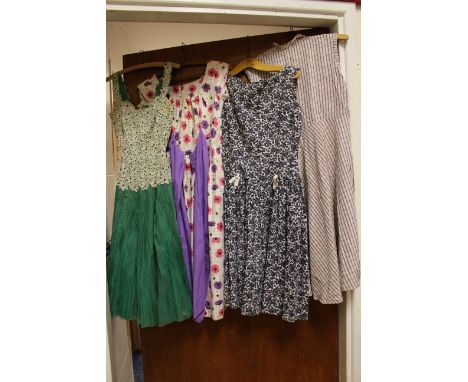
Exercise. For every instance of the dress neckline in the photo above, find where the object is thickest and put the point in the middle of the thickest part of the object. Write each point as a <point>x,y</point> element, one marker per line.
<point>191,88</point>
<point>285,72</point>
<point>158,90</point>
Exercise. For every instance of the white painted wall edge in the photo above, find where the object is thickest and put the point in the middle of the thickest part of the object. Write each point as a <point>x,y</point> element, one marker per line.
<point>212,16</point>
<point>319,7</point>
<point>280,13</point>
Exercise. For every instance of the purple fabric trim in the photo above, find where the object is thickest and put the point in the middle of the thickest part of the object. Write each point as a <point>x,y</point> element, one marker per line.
<point>177,169</point>
<point>197,265</point>
<point>201,259</point>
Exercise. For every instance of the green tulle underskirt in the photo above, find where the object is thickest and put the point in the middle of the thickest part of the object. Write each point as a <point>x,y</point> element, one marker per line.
<point>145,270</point>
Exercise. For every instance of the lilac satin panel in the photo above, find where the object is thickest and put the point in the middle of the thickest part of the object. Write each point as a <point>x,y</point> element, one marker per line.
<point>197,265</point>
<point>201,258</point>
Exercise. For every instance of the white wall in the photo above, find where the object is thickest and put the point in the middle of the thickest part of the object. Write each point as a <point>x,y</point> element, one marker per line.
<point>130,37</point>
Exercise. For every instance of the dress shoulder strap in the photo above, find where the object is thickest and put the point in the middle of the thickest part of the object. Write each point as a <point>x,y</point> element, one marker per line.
<point>119,90</point>
<point>116,95</point>
<point>163,86</point>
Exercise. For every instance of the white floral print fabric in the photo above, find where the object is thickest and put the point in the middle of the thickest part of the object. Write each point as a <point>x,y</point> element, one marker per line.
<point>142,134</point>
<point>267,263</point>
<point>197,109</point>
<point>147,90</point>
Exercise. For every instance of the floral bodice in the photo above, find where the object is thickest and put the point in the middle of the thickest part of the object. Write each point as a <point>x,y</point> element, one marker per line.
<point>142,135</point>
<point>197,110</point>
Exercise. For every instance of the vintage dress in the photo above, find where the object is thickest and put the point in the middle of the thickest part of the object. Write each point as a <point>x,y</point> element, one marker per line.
<point>325,162</point>
<point>146,273</point>
<point>197,165</point>
<point>266,259</point>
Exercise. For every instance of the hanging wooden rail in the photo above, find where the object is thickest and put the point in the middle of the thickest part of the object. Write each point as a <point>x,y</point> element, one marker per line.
<point>147,65</point>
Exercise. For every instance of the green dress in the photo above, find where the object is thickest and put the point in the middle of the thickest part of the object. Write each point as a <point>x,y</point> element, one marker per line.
<point>145,271</point>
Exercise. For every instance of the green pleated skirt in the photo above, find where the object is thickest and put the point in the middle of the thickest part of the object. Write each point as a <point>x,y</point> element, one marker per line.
<point>146,274</point>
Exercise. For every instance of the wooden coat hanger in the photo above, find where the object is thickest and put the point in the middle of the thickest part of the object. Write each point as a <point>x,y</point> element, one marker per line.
<point>257,65</point>
<point>261,66</point>
<point>154,64</point>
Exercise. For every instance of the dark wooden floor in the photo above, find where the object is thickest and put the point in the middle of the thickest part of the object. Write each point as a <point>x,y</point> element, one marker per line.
<point>239,348</point>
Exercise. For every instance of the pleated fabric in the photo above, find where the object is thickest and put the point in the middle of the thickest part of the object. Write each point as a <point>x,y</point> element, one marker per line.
<point>146,273</point>
<point>325,162</point>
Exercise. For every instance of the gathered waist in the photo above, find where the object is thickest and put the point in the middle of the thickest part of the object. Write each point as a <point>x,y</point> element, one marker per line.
<point>273,178</point>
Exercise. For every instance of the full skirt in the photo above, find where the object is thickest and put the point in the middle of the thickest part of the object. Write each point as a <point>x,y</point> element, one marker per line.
<point>146,274</point>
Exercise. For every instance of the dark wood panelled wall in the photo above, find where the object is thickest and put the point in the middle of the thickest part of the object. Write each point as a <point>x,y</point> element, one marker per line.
<point>194,57</point>
<point>237,348</point>
<point>248,349</point>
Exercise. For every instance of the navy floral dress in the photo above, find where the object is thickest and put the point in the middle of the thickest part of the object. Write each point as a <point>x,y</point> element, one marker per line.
<point>266,254</point>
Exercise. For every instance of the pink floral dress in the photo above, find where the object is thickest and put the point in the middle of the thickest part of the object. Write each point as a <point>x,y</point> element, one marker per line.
<point>197,109</point>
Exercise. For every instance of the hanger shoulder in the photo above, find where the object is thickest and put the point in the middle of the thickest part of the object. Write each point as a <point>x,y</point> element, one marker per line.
<point>258,65</point>
<point>254,64</point>
<point>267,67</point>
<point>153,64</point>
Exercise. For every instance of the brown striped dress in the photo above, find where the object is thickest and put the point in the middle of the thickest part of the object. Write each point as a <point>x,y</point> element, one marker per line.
<point>325,162</point>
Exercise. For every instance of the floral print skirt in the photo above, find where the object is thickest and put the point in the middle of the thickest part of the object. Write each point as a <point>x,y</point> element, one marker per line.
<point>266,254</point>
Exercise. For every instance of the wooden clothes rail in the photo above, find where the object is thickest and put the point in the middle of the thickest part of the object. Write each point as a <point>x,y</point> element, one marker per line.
<point>147,65</point>
<point>193,57</point>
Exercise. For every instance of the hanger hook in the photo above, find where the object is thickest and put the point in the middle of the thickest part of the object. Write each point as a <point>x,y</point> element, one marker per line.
<point>183,52</point>
<point>139,55</point>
